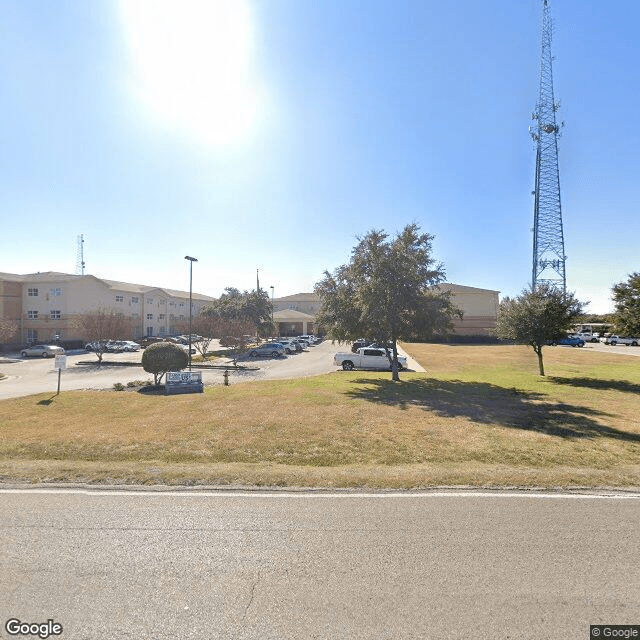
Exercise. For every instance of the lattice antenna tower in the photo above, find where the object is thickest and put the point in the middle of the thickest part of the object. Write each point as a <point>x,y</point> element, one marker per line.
<point>80,256</point>
<point>548,238</point>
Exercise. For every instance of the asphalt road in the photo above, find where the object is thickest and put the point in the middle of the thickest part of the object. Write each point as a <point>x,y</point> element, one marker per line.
<point>213,565</point>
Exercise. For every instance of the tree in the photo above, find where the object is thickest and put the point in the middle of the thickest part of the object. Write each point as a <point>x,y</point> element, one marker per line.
<point>162,357</point>
<point>253,306</point>
<point>626,301</point>
<point>387,292</point>
<point>101,326</point>
<point>538,317</point>
<point>8,329</point>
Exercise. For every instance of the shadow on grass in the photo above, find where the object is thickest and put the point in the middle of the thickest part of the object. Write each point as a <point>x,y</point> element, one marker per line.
<point>491,404</point>
<point>593,383</point>
<point>48,401</point>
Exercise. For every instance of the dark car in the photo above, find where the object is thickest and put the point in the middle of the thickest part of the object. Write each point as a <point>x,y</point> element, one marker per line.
<point>361,343</point>
<point>145,342</point>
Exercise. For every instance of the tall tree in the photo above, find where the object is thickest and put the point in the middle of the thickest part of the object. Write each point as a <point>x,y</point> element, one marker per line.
<point>538,317</point>
<point>253,306</point>
<point>626,300</point>
<point>387,292</point>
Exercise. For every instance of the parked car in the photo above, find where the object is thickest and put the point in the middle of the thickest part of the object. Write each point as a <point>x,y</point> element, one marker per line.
<point>589,337</point>
<point>289,346</point>
<point>148,340</point>
<point>571,341</point>
<point>367,358</point>
<point>627,342</point>
<point>94,346</point>
<point>42,351</point>
<point>129,345</point>
<point>298,344</point>
<point>273,349</point>
<point>360,343</point>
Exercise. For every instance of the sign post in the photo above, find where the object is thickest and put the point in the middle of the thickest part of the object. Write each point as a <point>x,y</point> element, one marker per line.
<point>60,363</point>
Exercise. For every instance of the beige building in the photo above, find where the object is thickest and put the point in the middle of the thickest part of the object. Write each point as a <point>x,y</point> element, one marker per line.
<point>44,305</point>
<point>295,315</point>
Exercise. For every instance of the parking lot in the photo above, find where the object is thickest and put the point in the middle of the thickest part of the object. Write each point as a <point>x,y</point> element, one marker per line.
<point>35,375</point>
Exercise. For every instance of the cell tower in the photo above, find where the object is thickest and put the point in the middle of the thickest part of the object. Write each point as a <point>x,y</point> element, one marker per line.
<point>548,239</point>
<point>80,256</point>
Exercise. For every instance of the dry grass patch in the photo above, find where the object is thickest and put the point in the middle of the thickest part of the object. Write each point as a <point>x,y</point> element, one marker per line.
<point>479,416</point>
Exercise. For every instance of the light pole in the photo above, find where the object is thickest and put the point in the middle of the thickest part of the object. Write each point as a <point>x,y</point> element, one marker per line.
<point>191,261</point>
<point>273,326</point>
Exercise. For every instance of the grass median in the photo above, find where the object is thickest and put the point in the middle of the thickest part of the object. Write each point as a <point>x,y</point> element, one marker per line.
<point>479,416</point>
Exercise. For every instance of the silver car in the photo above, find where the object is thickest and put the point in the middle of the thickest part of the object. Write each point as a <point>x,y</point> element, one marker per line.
<point>273,349</point>
<point>42,351</point>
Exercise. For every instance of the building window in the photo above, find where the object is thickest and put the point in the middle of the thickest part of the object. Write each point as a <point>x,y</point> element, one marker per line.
<point>161,316</point>
<point>135,300</point>
<point>163,330</point>
<point>56,291</point>
<point>149,331</point>
<point>32,335</point>
<point>149,316</point>
<point>32,291</point>
<point>119,298</point>
<point>181,317</point>
<point>163,301</point>
<point>55,314</point>
<point>32,315</point>
<point>149,300</point>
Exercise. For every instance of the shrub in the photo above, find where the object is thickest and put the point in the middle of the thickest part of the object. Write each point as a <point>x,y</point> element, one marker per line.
<point>162,357</point>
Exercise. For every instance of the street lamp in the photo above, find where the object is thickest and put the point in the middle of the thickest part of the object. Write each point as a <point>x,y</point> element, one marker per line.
<point>191,261</point>
<point>273,327</point>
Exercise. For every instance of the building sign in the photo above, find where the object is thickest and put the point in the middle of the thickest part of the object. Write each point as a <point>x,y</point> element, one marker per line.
<point>183,382</point>
<point>60,362</point>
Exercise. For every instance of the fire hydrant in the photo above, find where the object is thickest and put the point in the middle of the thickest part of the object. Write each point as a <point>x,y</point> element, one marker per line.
<point>226,377</point>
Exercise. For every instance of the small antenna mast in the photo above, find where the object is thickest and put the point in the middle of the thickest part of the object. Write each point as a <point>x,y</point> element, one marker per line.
<point>80,256</point>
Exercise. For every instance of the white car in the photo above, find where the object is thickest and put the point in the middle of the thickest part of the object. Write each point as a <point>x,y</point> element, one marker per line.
<point>130,345</point>
<point>42,351</point>
<point>614,340</point>
<point>289,346</point>
<point>589,337</point>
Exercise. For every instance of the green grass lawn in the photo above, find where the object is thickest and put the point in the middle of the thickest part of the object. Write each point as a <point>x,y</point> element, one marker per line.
<point>479,416</point>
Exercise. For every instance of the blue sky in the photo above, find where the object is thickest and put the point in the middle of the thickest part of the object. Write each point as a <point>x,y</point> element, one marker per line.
<point>270,134</point>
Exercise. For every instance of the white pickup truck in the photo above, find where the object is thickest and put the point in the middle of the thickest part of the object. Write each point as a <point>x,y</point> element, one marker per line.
<point>614,340</point>
<point>366,358</point>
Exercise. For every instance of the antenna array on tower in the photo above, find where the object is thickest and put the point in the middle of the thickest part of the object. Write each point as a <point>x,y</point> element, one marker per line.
<point>80,256</point>
<point>548,237</point>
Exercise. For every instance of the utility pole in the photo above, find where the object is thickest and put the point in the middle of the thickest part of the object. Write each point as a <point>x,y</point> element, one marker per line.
<point>191,261</point>
<point>548,237</point>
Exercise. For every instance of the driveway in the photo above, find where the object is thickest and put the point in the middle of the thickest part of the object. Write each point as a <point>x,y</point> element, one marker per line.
<point>33,375</point>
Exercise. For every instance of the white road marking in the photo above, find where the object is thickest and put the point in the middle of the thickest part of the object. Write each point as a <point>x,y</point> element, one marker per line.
<point>208,493</point>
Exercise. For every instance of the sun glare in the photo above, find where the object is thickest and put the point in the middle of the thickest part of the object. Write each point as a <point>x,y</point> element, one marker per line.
<point>191,64</point>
